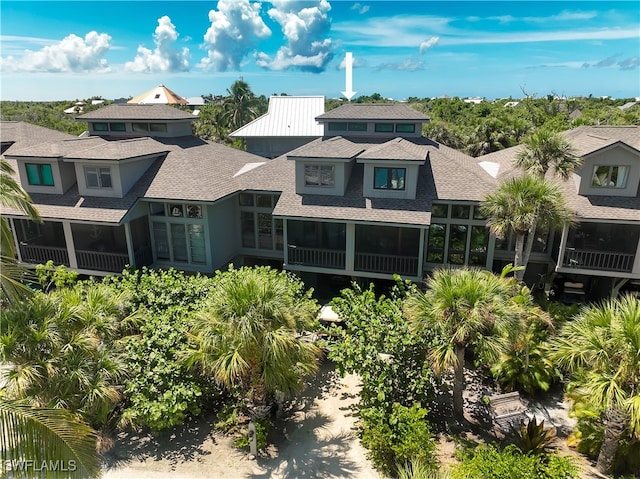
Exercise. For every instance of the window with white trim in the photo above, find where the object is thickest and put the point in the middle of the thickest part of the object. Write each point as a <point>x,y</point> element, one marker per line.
<point>606,176</point>
<point>39,174</point>
<point>258,228</point>
<point>389,178</point>
<point>319,175</point>
<point>98,177</point>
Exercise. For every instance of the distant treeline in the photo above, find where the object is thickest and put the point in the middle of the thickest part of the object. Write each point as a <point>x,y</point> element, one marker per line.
<point>475,128</point>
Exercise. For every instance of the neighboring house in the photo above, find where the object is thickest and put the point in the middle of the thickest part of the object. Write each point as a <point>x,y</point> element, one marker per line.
<point>160,95</point>
<point>369,198</point>
<point>290,122</point>
<point>602,251</point>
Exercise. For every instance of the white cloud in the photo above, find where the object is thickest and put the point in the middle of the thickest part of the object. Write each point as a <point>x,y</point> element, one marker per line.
<point>164,58</point>
<point>424,46</point>
<point>407,66</point>
<point>71,54</point>
<point>235,29</point>
<point>356,62</point>
<point>305,32</point>
<point>630,63</point>
<point>361,9</point>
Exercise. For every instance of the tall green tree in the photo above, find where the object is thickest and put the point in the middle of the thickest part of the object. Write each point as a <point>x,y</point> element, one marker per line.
<point>12,196</point>
<point>62,350</point>
<point>41,435</point>
<point>239,106</point>
<point>601,350</point>
<point>545,149</point>
<point>250,335</point>
<point>522,206</point>
<point>465,307</point>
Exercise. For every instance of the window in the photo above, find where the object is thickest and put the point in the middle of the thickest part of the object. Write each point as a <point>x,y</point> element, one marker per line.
<point>384,127</point>
<point>39,174</point>
<point>478,247</point>
<point>319,175</point>
<point>258,228</point>
<point>98,177</point>
<point>178,242</point>
<point>460,211</point>
<point>337,126</point>
<point>158,127</point>
<point>457,243</point>
<point>100,127</point>
<point>176,210</point>
<point>439,211</point>
<point>389,178</point>
<point>436,239</point>
<point>406,128</point>
<point>117,127</point>
<point>140,126</point>
<point>359,126</point>
<point>610,176</point>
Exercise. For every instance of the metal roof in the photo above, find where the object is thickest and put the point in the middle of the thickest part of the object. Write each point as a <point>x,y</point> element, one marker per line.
<point>288,116</point>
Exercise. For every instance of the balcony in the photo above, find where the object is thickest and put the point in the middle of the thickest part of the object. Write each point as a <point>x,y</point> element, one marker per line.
<point>384,263</point>
<point>99,261</point>
<point>598,260</point>
<point>34,254</point>
<point>324,258</point>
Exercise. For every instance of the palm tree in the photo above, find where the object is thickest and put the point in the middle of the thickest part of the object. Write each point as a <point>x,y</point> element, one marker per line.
<point>62,350</point>
<point>524,205</point>
<point>12,196</point>
<point>52,436</point>
<point>240,106</point>
<point>601,348</point>
<point>249,337</point>
<point>465,306</point>
<point>545,149</point>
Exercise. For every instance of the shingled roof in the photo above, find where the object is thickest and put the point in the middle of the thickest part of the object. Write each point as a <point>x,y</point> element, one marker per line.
<point>373,111</point>
<point>126,111</point>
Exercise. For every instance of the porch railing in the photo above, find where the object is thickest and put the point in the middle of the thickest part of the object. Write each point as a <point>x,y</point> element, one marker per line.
<point>384,263</point>
<point>99,261</point>
<point>35,254</point>
<point>325,258</point>
<point>598,260</point>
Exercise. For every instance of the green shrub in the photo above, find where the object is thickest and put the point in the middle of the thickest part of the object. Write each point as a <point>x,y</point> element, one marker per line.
<point>49,274</point>
<point>489,462</point>
<point>533,438</point>
<point>397,438</point>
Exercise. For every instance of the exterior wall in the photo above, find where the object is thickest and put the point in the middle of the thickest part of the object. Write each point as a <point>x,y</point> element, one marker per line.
<point>273,147</point>
<point>58,183</point>
<point>116,182</point>
<point>130,172</point>
<point>341,177</point>
<point>616,156</point>
<point>410,185</point>
<point>224,231</point>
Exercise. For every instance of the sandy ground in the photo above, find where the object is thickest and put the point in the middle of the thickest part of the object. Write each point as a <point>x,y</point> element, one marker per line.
<point>317,441</point>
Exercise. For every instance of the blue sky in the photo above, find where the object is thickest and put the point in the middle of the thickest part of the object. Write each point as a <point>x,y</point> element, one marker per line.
<point>54,50</point>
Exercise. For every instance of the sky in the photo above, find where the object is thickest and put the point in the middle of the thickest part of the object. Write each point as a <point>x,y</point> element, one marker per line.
<point>68,50</point>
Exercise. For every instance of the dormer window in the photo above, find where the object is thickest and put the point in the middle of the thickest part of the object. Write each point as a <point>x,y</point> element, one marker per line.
<point>406,128</point>
<point>350,126</point>
<point>605,176</point>
<point>98,177</point>
<point>39,174</point>
<point>384,127</point>
<point>389,178</point>
<point>319,175</point>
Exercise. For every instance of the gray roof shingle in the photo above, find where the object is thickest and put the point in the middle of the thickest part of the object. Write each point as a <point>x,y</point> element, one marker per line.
<point>373,111</point>
<point>127,111</point>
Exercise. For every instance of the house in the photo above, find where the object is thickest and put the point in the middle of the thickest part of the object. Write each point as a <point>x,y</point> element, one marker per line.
<point>290,122</point>
<point>601,252</point>
<point>160,95</point>
<point>369,198</point>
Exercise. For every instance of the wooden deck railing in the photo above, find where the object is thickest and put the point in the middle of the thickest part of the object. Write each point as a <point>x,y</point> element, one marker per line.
<point>34,254</point>
<point>99,261</point>
<point>325,258</point>
<point>384,263</point>
<point>598,260</point>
